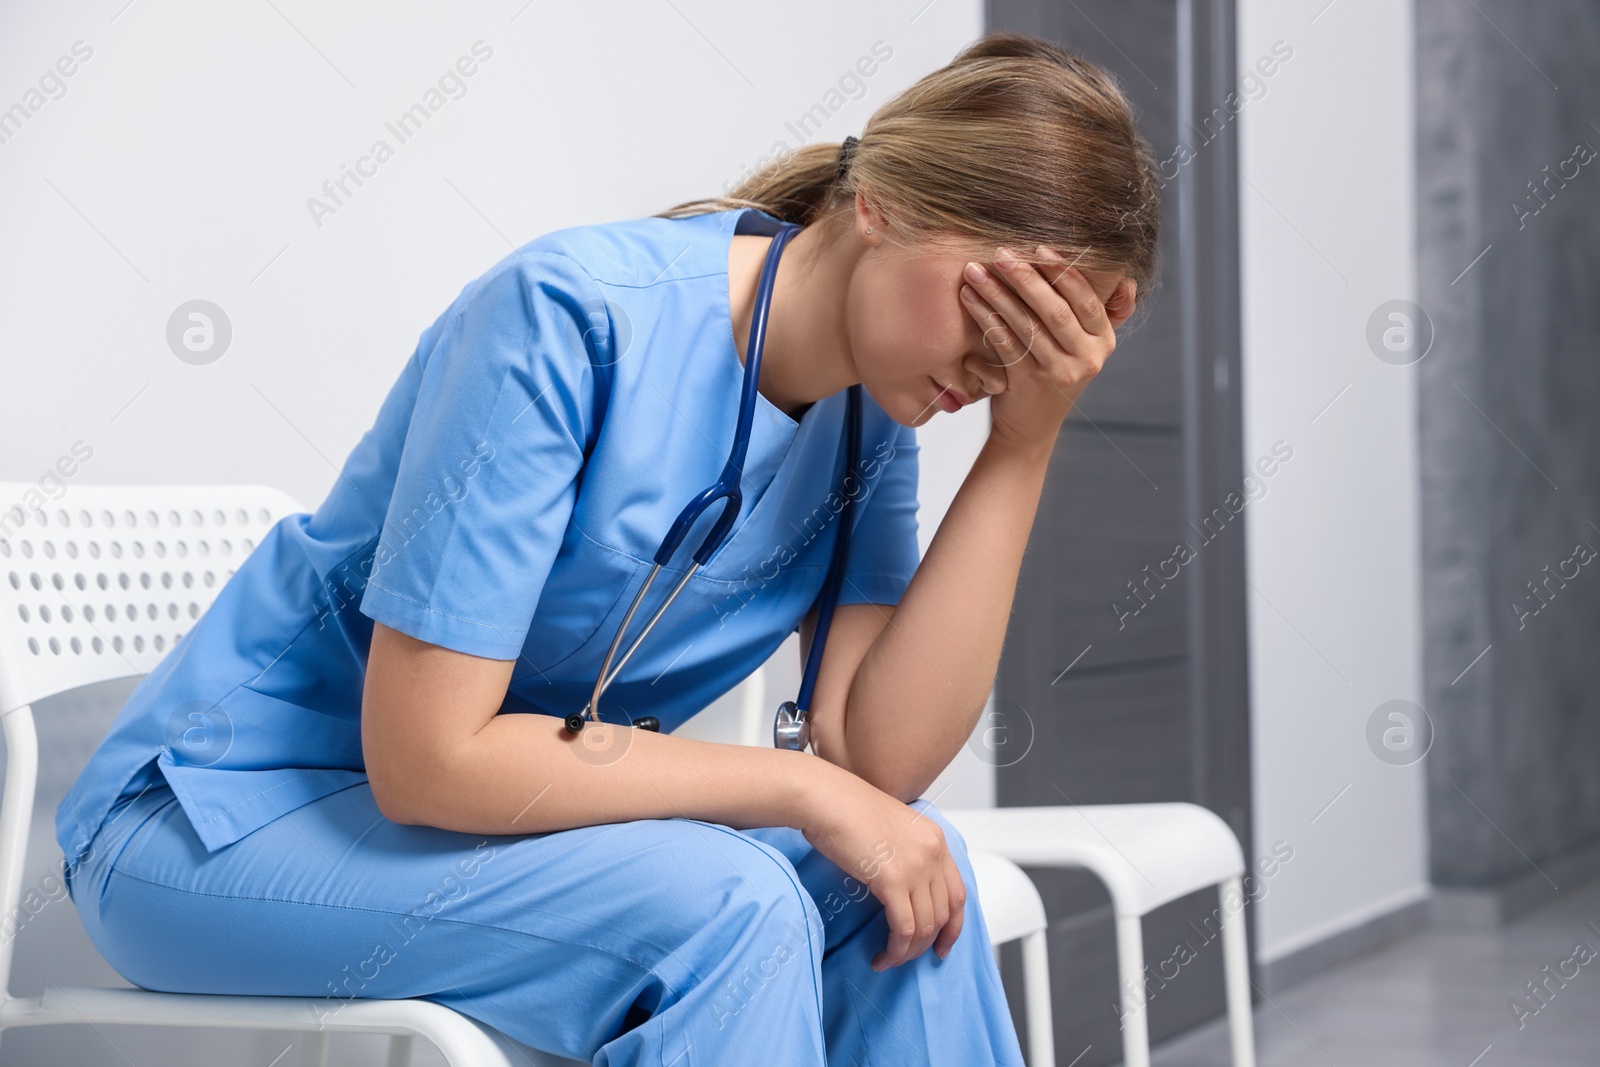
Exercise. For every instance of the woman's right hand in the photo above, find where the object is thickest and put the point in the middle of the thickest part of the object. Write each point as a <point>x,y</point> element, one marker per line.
<point>1050,330</point>
<point>901,856</point>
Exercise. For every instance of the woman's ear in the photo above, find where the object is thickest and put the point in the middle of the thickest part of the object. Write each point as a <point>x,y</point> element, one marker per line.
<point>869,221</point>
<point>1121,304</point>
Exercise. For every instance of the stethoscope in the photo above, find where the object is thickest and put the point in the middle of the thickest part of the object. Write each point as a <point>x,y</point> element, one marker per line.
<point>790,728</point>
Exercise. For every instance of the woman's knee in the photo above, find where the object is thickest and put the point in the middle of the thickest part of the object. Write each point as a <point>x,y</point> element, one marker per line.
<point>739,886</point>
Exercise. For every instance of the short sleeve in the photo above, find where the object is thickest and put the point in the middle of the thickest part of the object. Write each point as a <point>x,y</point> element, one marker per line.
<point>883,543</point>
<point>487,477</point>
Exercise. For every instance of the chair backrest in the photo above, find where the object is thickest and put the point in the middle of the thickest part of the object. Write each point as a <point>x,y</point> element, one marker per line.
<point>100,584</point>
<point>103,582</point>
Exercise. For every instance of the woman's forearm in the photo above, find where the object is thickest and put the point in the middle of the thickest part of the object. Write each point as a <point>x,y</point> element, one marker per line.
<point>921,686</point>
<point>524,773</point>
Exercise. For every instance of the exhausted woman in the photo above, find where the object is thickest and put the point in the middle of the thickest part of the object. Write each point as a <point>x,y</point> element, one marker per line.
<point>377,766</point>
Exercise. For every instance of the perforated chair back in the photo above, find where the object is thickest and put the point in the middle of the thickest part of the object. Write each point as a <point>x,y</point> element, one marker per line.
<point>101,584</point>
<point>104,582</point>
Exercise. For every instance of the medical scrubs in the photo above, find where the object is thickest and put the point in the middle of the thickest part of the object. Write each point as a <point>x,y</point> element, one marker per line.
<point>507,503</point>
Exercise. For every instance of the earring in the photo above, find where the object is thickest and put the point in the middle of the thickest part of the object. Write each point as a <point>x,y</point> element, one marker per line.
<point>869,229</point>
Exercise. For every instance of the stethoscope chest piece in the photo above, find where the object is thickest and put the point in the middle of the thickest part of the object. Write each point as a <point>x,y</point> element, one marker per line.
<point>789,729</point>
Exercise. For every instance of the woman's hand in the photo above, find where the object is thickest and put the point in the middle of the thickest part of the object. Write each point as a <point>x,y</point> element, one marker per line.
<point>901,856</point>
<point>1051,331</point>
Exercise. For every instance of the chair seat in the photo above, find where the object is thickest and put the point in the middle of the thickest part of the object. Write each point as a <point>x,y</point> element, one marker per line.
<point>1147,854</point>
<point>1011,904</point>
<point>468,1041</point>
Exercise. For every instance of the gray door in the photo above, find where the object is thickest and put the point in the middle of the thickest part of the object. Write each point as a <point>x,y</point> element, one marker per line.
<point>1124,670</point>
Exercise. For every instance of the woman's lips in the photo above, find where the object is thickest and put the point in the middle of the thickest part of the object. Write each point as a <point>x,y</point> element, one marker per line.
<point>949,399</point>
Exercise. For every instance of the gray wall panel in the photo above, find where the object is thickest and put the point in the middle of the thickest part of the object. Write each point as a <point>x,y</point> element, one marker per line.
<point>1510,442</point>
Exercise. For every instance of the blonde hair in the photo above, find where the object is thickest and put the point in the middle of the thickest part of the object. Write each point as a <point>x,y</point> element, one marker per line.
<point>1016,141</point>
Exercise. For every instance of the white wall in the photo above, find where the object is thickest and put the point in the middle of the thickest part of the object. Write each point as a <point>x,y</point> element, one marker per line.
<point>1327,216</point>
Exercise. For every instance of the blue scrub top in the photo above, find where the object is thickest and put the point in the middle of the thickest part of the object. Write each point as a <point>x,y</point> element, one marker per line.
<point>508,503</point>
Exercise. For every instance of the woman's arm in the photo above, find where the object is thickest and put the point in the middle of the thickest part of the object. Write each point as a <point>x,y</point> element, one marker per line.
<point>438,753</point>
<point>925,667</point>
<point>897,701</point>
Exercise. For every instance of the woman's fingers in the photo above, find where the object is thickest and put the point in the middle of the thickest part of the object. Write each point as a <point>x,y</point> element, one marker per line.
<point>956,894</point>
<point>1049,311</point>
<point>925,916</point>
<point>901,918</point>
<point>940,890</point>
<point>1010,330</point>
<point>927,923</point>
<point>1068,285</point>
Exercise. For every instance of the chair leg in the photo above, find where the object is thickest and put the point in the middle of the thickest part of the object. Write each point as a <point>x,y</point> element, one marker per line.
<point>314,1048</point>
<point>400,1047</point>
<point>1036,993</point>
<point>1130,975</point>
<point>1236,973</point>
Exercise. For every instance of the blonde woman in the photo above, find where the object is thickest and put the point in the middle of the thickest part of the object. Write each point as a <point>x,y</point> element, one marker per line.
<point>352,778</point>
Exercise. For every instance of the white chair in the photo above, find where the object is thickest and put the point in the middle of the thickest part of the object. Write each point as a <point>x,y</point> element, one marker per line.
<point>1012,910</point>
<point>1146,854</point>
<point>99,586</point>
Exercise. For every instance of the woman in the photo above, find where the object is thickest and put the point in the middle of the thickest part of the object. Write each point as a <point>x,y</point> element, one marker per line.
<point>314,794</point>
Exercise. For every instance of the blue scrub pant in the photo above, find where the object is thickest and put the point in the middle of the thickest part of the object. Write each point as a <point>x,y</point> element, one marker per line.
<point>659,941</point>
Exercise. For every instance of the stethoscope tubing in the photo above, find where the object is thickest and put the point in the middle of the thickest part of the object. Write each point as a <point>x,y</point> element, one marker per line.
<point>608,673</point>
<point>792,716</point>
<point>727,487</point>
<point>841,552</point>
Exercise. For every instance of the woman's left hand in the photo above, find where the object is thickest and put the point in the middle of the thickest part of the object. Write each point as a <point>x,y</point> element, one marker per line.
<point>1050,332</point>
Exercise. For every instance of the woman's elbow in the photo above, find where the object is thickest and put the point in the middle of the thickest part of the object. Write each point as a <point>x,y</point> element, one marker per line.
<point>899,782</point>
<point>392,802</point>
<point>398,781</point>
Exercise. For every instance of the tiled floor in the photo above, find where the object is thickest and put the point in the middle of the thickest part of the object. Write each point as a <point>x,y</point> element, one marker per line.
<point>1437,998</point>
